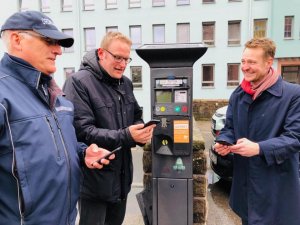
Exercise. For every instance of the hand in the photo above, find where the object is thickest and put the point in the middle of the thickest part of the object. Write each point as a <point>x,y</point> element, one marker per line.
<point>245,147</point>
<point>222,149</point>
<point>141,134</point>
<point>93,153</point>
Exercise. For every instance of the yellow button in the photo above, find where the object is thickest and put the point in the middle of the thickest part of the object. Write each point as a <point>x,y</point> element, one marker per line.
<point>162,109</point>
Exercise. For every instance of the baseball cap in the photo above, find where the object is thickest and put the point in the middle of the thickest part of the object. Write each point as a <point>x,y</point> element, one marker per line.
<point>38,22</point>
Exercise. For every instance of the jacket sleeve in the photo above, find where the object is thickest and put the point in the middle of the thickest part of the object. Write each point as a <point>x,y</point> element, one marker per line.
<point>85,121</point>
<point>278,149</point>
<point>227,132</point>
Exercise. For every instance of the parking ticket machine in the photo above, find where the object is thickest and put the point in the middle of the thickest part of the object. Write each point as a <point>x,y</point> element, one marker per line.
<point>171,73</point>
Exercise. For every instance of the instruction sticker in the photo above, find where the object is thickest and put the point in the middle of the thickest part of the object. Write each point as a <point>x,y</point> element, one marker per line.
<point>181,131</point>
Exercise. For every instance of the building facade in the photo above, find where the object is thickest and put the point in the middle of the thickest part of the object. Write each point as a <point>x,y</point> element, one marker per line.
<point>223,25</point>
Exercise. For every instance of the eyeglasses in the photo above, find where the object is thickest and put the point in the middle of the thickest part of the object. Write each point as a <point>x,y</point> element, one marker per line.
<point>118,58</point>
<point>48,41</point>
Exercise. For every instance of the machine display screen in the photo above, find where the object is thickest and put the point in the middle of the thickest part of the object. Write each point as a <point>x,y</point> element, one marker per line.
<point>163,96</point>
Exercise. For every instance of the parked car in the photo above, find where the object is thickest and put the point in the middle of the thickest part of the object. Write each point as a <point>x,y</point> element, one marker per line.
<point>221,165</point>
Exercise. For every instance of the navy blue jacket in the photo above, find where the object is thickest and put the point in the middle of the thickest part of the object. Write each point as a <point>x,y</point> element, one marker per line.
<point>265,188</point>
<point>39,152</point>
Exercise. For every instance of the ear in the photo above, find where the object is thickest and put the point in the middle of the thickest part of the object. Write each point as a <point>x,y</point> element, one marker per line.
<point>100,53</point>
<point>15,41</point>
<point>270,61</point>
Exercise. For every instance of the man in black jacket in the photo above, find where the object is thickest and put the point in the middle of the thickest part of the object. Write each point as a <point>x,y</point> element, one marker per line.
<point>107,113</point>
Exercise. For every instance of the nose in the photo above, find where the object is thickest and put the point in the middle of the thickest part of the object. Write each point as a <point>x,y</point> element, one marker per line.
<point>56,49</point>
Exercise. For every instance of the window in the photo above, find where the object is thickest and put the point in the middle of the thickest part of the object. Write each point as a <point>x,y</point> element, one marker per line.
<point>260,28</point>
<point>88,5</point>
<point>158,2</point>
<point>135,35</point>
<point>183,33</point>
<point>208,75</point>
<point>111,4</point>
<point>159,33</point>
<point>208,33</point>
<point>234,32</point>
<point>183,2</point>
<point>24,5</point>
<point>112,28</point>
<point>291,73</point>
<point>134,3</point>
<point>136,76</point>
<point>68,71</point>
<point>208,1</point>
<point>288,26</point>
<point>67,5</point>
<point>45,6</point>
<point>90,38</point>
<point>70,33</point>
<point>233,70</point>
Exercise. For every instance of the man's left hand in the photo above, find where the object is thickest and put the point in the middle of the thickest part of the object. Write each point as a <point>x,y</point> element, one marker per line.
<point>245,147</point>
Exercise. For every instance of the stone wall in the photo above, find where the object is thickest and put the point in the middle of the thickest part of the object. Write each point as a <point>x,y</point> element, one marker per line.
<point>204,109</point>
<point>199,179</point>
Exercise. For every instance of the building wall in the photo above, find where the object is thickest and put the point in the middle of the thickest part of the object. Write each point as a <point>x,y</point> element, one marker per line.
<point>195,13</point>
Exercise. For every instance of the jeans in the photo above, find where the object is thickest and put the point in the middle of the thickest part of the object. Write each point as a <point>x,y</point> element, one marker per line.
<point>101,212</point>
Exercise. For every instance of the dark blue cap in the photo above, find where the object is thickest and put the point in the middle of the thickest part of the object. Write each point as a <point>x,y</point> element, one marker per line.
<point>38,22</point>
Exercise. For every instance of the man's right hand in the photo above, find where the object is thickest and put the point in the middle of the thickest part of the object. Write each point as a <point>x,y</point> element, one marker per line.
<point>141,134</point>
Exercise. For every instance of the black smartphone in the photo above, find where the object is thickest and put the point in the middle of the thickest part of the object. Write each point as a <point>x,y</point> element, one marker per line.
<point>108,154</point>
<point>153,121</point>
<point>222,142</point>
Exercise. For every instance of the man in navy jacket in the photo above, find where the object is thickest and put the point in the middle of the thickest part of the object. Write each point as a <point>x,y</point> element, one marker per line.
<point>263,123</point>
<point>39,153</point>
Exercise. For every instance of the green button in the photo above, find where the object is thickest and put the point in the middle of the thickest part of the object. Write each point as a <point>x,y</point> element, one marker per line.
<point>177,109</point>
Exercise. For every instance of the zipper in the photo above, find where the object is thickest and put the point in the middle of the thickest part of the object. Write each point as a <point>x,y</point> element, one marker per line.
<point>53,138</point>
<point>68,164</point>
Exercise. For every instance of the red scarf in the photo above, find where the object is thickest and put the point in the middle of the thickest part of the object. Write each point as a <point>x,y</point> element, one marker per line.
<point>266,82</point>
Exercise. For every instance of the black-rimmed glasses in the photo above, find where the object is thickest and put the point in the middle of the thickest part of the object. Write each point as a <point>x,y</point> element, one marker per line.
<point>48,41</point>
<point>118,58</point>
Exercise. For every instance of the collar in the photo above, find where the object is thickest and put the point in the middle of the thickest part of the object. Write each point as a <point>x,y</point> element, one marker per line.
<point>20,70</point>
<point>110,80</point>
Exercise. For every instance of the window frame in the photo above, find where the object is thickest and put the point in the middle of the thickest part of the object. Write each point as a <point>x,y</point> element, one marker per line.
<point>233,83</point>
<point>255,21</point>
<point>178,38</point>
<point>45,8</point>
<point>158,3</point>
<point>66,7</point>
<point>210,83</point>
<point>234,41</point>
<point>291,26</point>
<point>206,24</point>
<point>86,46</point>
<point>88,6</point>
<point>134,4</point>
<point>138,85</point>
<point>111,4</point>
<point>164,33</point>
<point>133,38</point>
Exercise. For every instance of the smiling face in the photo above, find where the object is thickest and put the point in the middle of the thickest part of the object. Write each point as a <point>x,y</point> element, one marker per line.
<point>108,57</point>
<point>255,65</point>
<point>35,50</point>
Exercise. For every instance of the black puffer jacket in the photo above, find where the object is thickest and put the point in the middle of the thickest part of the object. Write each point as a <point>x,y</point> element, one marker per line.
<point>104,108</point>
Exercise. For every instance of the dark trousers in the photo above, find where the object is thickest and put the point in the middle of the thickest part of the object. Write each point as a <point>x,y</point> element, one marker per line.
<point>101,213</point>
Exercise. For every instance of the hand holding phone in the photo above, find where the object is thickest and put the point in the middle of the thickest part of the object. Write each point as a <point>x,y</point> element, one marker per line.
<point>153,121</point>
<point>107,155</point>
<point>223,142</point>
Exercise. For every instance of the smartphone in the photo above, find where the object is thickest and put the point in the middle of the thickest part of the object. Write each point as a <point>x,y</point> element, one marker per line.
<point>222,142</point>
<point>108,154</point>
<point>153,121</point>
